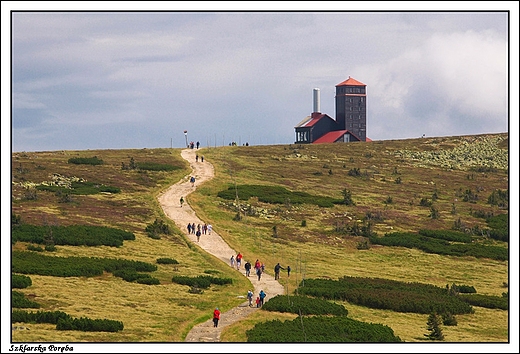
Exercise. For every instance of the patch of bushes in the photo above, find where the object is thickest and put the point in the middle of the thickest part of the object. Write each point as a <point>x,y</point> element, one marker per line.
<point>442,247</point>
<point>320,329</point>
<point>65,322</point>
<point>73,235</point>
<point>130,275</point>
<point>201,281</point>
<point>276,195</point>
<point>18,300</point>
<point>158,227</point>
<point>20,281</point>
<point>386,294</point>
<point>447,235</point>
<point>85,160</point>
<point>304,305</point>
<point>487,301</point>
<point>35,263</point>
<point>79,188</point>
<point>167,261</point>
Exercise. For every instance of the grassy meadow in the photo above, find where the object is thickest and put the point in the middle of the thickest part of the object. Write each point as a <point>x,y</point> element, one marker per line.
<point>390,183</point>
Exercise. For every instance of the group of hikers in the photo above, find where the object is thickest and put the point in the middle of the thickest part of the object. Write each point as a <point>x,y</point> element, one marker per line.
<point>235,261</point>
<point>199,229</point>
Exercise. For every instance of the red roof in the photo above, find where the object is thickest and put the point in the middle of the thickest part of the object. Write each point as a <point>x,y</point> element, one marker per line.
<point>330,137</point>
<point>351,82</point>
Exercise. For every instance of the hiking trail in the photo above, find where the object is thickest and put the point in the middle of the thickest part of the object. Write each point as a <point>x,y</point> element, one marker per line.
<point>213,244</point>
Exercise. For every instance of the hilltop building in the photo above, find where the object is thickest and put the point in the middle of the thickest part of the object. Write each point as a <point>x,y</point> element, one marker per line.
<point>351,117</point>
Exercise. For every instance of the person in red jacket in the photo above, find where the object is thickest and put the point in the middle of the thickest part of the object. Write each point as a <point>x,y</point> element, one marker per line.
<point>216,317</point>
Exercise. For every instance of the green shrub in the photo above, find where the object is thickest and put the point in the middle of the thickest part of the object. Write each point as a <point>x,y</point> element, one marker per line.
<point>304,305</point>
<point>275,195</point>
<point>34,248</point>
<point>386,294</point>
<point>85,160</point>
<point>18,300</point>
<point>201,281</point>
<point>487,301</point>
<point>72,235</point>
<point>20,281</point>
<point>320,329</point>
<point>89,325</point>
<point>167,261</point>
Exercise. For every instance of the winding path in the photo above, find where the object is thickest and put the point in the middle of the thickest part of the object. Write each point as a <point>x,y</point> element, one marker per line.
<point>214,244</point>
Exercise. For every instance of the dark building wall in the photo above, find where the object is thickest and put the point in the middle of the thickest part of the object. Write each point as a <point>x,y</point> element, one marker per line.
<point>322,127</point>
<point>351,109</point>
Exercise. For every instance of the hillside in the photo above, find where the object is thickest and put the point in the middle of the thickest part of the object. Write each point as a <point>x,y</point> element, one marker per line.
<point>376,188</point>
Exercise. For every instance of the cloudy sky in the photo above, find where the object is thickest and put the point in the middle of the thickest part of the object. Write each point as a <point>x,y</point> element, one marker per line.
<point>99,80</point>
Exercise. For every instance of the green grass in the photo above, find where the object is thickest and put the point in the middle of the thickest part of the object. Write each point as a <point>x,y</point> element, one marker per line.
<point>166,312</point>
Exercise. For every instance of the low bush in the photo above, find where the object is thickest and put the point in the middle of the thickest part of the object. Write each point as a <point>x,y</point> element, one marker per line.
<point>487,301</point>
<point>201,281</point>
<point>276,195</point>
<point>18,300</point>
<point>386,294</point>
<point>167,261</point>
<point>304,305</point>
<point>20,281</point>
<point>72,235</point>
<point>85,160</point>
<point>320,329</point>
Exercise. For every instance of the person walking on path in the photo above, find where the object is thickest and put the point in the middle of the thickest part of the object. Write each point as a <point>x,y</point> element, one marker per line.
<point>257,301</point>
<point>250,298</point>
<point>216,317</point>
<point>182,201</point>
<point>189,228</point>
<point>192,181</point>
<point>247,267</point>
<point>239,260</point>
<point>198,235</point>
<point>193,228</point>
<point>262,296</point>
<point>232,261</point>
<point>209,229</point>
<point>277,268</point>
<point>259,272</point>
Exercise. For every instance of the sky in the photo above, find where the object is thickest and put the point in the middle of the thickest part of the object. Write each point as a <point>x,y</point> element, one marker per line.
<point>113,80</point>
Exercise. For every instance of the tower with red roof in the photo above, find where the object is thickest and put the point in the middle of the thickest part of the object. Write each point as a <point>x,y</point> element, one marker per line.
<point>351,117</point>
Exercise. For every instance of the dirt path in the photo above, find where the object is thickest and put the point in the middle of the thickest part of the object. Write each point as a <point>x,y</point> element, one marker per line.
<point>214,244</point>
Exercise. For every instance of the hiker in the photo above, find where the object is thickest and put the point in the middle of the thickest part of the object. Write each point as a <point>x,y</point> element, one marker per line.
<point>198,144</point>
<point>250,297</point>
<point>202,158</point>
<point>204,228</point>
<point>193,228</point>
<point>259,272</point>
<point>277,268</point>
<point>239,260</point>
<point>209,229</point>
<point>257,264</point>
<point>198,235</point>
<point>247,267</point>
<point>189,228</point>
<point>288,271</point>
<point>257,301</point>
<point>216,317</point>
<point>182,201</point>
<point>262,297</point>
<point>192,181</point>
<point>196,158</point>
<point>232,261</point>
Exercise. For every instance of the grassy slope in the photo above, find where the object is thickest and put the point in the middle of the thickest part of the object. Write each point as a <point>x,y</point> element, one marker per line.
<point>166,312</point>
